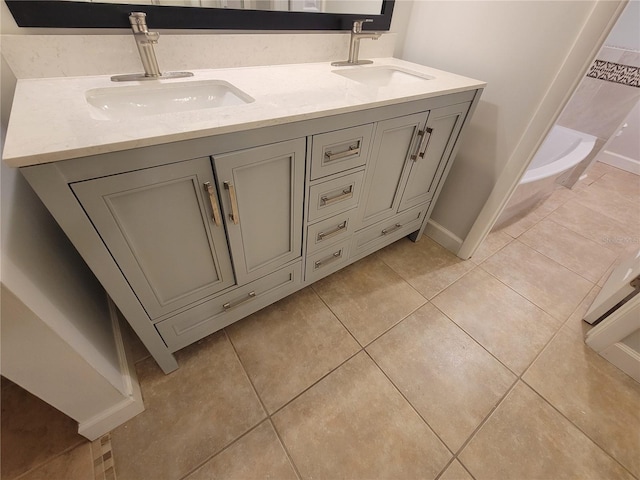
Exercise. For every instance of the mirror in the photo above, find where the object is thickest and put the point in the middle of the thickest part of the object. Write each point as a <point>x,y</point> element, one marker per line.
<point>204,14</point>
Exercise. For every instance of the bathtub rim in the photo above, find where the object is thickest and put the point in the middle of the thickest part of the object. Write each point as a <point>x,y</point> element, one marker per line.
<point>582,149</point>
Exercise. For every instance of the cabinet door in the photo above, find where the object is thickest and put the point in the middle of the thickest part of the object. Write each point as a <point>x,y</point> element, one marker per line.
<point>394,142</point>
<point>443,128</point>
<point>262,197</point>
<point>157,223</point>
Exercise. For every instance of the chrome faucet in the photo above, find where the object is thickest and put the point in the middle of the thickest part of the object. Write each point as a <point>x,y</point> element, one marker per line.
<point>145,40</point>
<point>354,45</point>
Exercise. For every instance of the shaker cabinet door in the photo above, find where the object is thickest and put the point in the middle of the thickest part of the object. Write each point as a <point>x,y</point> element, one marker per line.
<point>158,224</point>
<point>262,197</point>
<point>442,130</point>
<point>394,142</point>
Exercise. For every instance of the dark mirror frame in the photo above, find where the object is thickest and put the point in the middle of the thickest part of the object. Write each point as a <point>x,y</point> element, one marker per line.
<point>64,14</point>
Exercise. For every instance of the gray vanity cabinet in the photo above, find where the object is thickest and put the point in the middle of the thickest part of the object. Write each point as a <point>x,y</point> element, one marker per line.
<point>158,225</point>
<point>409,156</point>
<point>443,127</point>
<point>262,192</point>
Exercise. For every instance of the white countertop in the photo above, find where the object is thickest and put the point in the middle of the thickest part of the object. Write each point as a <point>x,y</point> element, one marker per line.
<point>51,119</point>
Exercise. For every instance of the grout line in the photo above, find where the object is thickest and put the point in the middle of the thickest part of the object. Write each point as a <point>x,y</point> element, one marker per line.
<point>409,403</point>
<point>286,450</point>
<point>49,460</point>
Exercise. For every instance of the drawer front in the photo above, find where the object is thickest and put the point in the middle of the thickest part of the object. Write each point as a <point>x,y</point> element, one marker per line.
<point>330,231</point>
<point>204,319</point>
<point>386,232</point>
<point>334,196</point>
<point>327,261</point>
<point>335,152</point>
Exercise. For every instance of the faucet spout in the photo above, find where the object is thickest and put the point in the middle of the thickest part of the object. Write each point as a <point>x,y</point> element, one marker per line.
<point>145,40</point>
<point>354,44</point>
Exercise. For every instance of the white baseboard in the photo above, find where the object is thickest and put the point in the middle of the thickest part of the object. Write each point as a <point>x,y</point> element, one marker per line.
<point>619,161</point>
<point>131,404</point>
<point>444,237</point>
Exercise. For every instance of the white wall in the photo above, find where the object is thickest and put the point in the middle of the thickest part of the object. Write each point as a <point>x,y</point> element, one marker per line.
<point>519,48</point>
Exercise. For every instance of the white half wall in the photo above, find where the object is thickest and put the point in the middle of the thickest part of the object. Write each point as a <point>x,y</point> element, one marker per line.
<point>532,54</point>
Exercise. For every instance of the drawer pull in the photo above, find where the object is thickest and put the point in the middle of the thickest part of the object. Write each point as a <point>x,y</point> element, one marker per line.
<point>235,218</point>
<point>326,261</point>
<point>391,229</point>
<point>229,305</point>
<point>332,233</point>
<point>424,143</point>
<point>351,152</point>
<point>344,195</point>
<point>214,203</point>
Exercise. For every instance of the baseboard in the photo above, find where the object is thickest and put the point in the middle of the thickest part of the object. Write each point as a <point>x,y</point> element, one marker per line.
<point>131,404</point>
<point>444,237</point>
<point>619,161</point>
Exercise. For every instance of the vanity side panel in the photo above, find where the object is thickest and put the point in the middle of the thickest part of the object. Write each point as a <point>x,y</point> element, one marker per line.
<point>52,188</point>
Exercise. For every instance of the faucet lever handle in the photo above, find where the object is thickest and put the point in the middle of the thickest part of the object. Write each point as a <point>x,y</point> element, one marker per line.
<point>357,24</point>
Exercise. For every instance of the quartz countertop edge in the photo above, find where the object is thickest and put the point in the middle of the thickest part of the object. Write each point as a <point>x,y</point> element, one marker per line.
<point>51,120</point>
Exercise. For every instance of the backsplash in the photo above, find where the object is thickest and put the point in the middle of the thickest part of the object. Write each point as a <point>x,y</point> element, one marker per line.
<point>40,56</point>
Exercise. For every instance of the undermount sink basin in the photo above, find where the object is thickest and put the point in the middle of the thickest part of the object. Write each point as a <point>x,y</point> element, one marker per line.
<point>383,76</point>
<point>115,103</point>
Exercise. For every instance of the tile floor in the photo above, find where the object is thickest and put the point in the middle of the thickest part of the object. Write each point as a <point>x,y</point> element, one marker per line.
<point>408,364</point>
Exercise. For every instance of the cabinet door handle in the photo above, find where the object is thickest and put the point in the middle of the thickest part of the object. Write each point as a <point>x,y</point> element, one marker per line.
<point>391,229</point>
<point>351,152</point>
<point>344,195</point>
<point>229,305</point>
<point>323,236</point>
<point>214,203</point>
<point>235,218</point>
<point>325,261</point>
<point>425,136</point>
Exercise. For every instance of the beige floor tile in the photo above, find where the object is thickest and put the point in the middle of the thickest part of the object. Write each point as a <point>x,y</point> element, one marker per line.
<point>449,379</point>
<point>288,346</point>
<point>597,170</point>
<point>600,228</point>
<point>455,471</point>
<point>427,266</point>
<point>494,242</point>
<point>257,455</point>
<point>33,432</point>
<point>527,219</point>
<point>575,324</point>
<point>368,297</point>
<point>355,424</point>
<point>600,399</point>
<point>554,288</point>
<point>608,201</point>
<point>623,183</point>
<point>526,439</point>
<point>190,414</point>
<point>75,464</point>
<point>570,249</point>
<point>513,329</point>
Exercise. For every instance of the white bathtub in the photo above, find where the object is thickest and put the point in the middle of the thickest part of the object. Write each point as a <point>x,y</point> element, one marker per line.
<point>562,150</point>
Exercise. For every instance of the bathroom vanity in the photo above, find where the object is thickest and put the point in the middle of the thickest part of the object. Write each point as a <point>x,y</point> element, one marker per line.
<point>195,218</point>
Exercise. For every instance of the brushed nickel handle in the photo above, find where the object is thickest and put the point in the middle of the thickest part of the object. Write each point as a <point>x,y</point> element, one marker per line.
<point>344,195</point>
<point>425,141</point>
<point>235,218</point>
<point>391,229</point>
<point>323,236</point>
<point>353,151</point>
<point>229,305</point>
<point>214,203</point>
<point>326,261</point>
